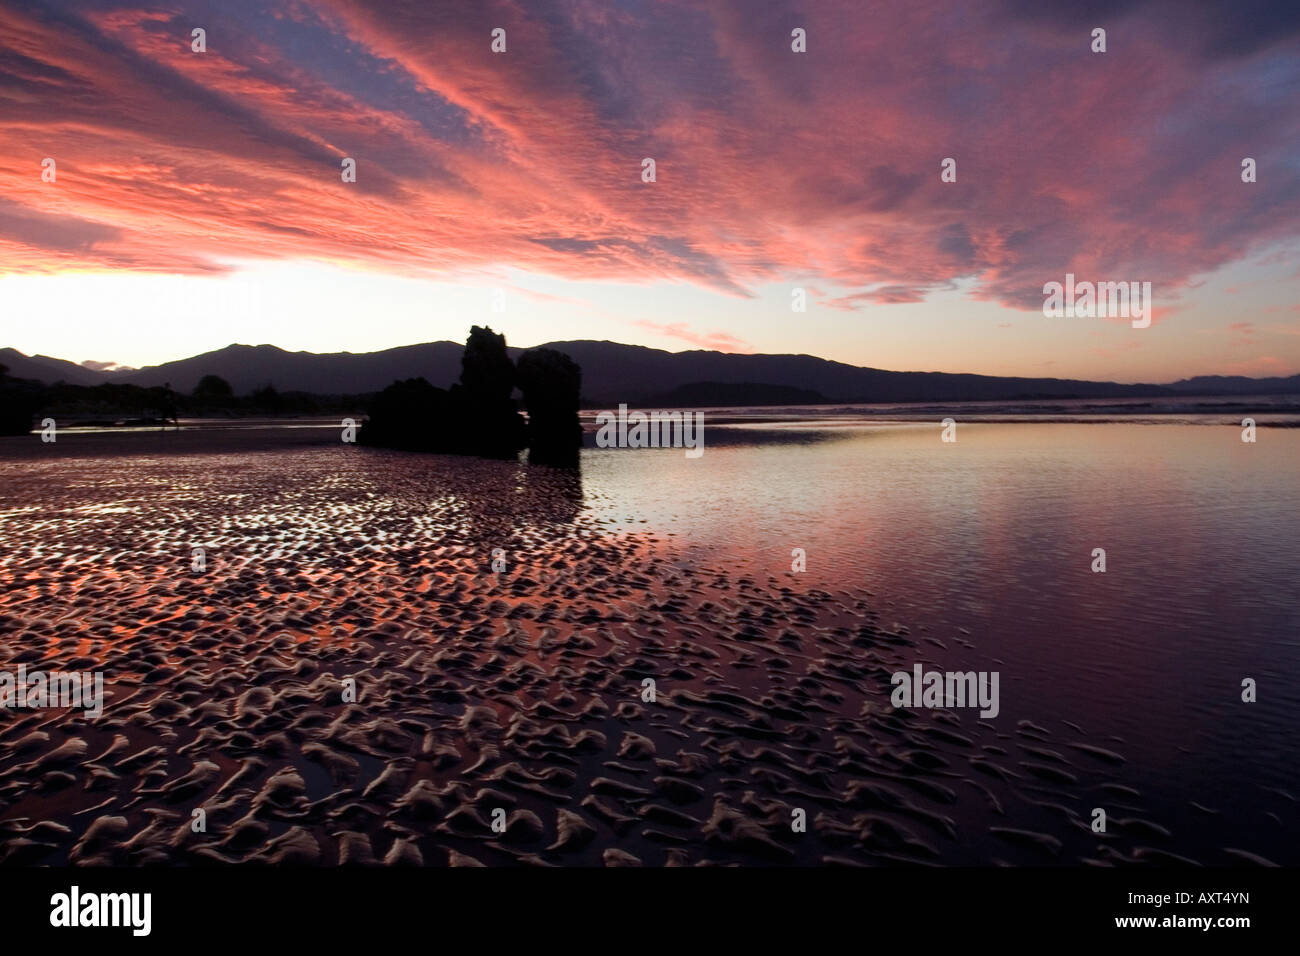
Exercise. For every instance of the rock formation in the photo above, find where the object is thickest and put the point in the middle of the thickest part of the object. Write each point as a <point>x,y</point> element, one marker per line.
<point>478,415</point>
<point>551,383</point>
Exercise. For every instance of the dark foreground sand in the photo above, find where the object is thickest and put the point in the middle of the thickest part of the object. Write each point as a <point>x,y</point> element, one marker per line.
<point>520,691</point>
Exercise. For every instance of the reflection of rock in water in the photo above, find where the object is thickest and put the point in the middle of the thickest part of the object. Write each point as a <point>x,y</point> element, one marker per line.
<point>560,492</point>
<point>510,500</point>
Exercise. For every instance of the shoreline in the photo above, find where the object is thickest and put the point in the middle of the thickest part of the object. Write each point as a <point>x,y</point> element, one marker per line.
<point>477,690</point>
<point>216,436</point>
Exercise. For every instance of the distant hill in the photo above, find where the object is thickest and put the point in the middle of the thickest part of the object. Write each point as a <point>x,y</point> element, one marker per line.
<point>248,367</point>
<point>612,373</point>
<point>1237,385</point>
<point>724,394</point>
<point>610,370</point>
<point>42,368</point>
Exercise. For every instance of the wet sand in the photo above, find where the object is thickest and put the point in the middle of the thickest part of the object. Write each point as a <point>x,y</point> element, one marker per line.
<point>478,691</point>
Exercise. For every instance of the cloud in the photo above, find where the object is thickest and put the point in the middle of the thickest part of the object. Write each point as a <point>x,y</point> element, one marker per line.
<point>895,294</point>
<point>536,296</point>
<point>771,166</point>
<point>717,341</point>
<point>50,232</point>
<point>1266,366</point>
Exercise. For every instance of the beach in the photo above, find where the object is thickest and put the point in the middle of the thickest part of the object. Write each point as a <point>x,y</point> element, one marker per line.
<point>395,658</point>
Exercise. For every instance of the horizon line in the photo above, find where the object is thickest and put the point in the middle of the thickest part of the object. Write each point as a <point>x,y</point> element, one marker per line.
<point>143,368</point>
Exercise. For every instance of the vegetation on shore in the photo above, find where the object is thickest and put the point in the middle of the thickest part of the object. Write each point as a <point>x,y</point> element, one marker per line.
<point>23,402</point>
<point>478,415</point>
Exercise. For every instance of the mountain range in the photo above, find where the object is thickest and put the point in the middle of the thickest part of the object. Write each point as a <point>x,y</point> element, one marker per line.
<point>613,373</point>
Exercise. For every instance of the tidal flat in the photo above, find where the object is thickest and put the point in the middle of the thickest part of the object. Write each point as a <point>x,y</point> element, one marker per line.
<point>393,658</point>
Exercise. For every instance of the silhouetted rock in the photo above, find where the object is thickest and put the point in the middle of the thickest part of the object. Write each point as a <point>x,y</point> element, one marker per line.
<point>476,417</point>
<point>492,426</point>
<point>18,403</point>
<point>486,373</point>
<point>552,386</point>
<point>411,415</point>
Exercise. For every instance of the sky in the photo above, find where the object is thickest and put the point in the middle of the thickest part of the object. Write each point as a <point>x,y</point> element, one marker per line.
<point>198,198</point>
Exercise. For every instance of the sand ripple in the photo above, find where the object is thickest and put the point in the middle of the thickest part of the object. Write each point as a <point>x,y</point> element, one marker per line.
<point>482,698</point>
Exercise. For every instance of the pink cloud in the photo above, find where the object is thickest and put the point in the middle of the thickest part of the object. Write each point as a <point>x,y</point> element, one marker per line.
<point>717,341</point>
<point>771,166</point>
<point>536,296</point>
<point>1264,366</point>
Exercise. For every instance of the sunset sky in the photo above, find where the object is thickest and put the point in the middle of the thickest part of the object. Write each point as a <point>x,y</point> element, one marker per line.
<point>198,199</point>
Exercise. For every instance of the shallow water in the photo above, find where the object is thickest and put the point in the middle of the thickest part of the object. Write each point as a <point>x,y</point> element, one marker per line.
<point>987,542</point>
<point>523,689</point>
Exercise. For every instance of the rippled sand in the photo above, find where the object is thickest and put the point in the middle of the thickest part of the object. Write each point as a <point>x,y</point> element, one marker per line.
<point>520,691</point>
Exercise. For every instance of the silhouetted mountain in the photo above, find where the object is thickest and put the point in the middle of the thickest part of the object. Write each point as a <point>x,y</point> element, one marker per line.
<point>723,394</point>
<point>635,374</point>
<point>613,373</point>
<point>1237,385</point>
<point>42,368</point>
<point>248,367</point>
